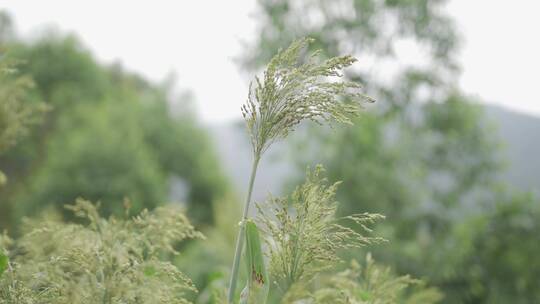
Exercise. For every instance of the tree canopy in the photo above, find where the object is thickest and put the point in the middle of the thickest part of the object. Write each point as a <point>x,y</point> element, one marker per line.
<point>109,135</point>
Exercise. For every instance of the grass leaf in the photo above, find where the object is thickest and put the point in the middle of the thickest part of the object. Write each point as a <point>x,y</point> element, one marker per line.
<point>257,288</point>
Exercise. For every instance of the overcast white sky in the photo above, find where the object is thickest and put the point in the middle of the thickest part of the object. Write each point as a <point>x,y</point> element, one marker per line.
<point>197,39</point>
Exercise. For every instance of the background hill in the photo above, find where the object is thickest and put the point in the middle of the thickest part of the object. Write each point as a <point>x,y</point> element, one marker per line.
<point>519,136</point>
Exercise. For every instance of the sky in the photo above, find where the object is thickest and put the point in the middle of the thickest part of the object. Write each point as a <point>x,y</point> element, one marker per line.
<point>197,41</point>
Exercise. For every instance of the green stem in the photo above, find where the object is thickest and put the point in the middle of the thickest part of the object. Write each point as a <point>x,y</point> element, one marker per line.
<point>241,233</point>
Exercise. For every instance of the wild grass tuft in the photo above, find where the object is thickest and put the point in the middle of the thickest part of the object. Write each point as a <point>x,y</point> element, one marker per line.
<point>292,90</point>
<point>303,234</point>
<point>99,260</point>
<point>371,283</point>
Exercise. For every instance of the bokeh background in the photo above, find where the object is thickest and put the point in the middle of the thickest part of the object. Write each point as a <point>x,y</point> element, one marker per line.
<point>139,102</point>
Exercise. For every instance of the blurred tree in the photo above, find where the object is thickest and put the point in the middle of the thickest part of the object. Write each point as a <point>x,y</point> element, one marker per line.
<point>110,134</point>
<point>6,27</point>
<point>16,115</point>
<point>425,156</point>
<point>374,31</point>
<point>502,245</point>
<point>86,159</point>
<point>17,112</point>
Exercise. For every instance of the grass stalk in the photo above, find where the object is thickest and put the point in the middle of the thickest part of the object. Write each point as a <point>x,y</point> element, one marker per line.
<point>241,233</point>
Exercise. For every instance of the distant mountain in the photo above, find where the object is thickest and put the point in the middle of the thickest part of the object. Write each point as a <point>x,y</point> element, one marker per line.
<point>234,151</point>
<point>519,134</point>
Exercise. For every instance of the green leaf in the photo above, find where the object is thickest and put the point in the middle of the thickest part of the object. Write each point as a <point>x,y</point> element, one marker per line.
<point>256,290</point>
<point>3,263</point>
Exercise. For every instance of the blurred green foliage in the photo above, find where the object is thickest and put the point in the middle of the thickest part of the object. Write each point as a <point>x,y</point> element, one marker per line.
<point>501,260</point>
<point>86,158</point>
<point>425,157</point>
<point>17,115</point>
<point>109,135</point>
